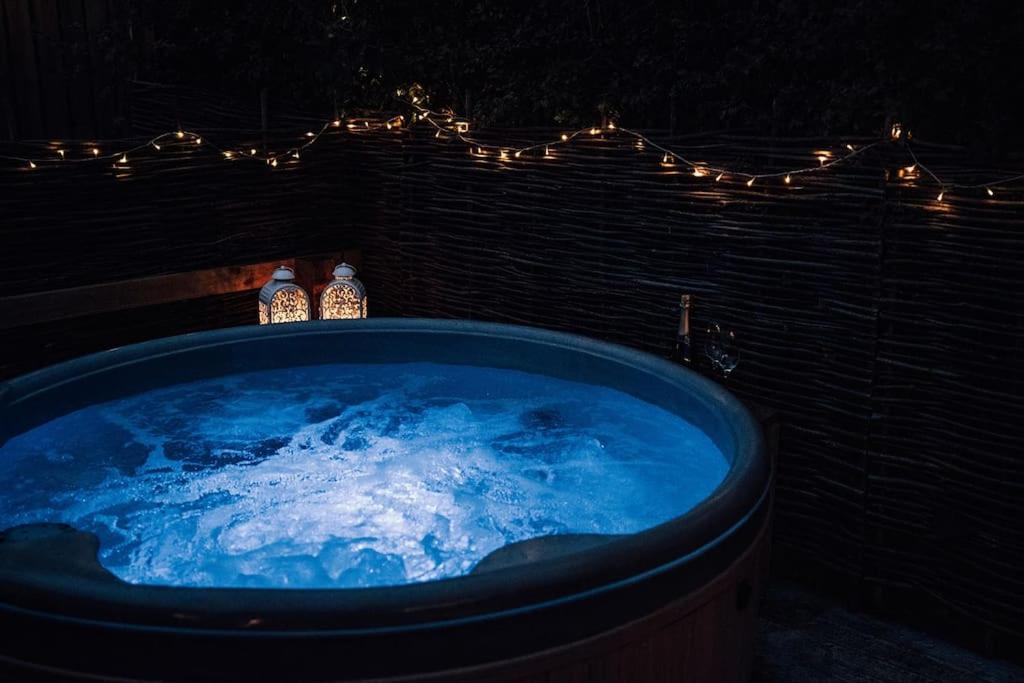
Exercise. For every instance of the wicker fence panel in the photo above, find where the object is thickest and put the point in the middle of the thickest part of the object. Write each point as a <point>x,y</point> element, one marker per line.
<point>946,472</point>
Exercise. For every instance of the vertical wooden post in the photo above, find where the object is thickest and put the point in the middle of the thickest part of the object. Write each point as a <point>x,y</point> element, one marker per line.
<point>264,115</point>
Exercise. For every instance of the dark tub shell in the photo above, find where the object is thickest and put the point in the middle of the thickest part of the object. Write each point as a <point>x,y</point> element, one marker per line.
<point>675,602</point>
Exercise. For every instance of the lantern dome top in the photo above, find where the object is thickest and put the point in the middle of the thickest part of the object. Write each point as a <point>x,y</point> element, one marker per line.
<point>283,273</point>
<point>344,270</point>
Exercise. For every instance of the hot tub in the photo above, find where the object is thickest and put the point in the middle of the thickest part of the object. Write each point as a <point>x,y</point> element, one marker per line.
<point>416,527</point>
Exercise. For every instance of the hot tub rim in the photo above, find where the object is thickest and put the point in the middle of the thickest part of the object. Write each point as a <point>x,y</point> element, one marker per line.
<point>411,606</point>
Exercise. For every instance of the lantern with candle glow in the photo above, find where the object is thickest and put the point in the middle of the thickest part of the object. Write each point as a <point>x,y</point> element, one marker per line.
<point>283,301</point>
<point>344,296</point>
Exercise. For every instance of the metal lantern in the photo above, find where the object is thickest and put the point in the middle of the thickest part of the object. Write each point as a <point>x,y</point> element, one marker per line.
<point>344,296</point>
<point>283,301</point>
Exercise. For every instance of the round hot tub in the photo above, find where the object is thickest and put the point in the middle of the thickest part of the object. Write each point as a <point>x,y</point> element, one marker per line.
<point>379,499</point>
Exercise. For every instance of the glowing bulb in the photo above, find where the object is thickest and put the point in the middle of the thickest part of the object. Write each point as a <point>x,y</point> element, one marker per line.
<point>228,155</point>
<point>95,151</point>
<point>547,151</point>
<point>366,124</point>
<point>849,147</point>
<point>611,125</point>
<point>199,141</point>
<point>750,182</point>
<point>911,168</point>
<point>990,192</point>
<point>719,176</point>
<point>309,134</point>
<point>156,147</point>
<point>336,122</point>
<point>787,179</point>
<point>667,159</point>
<point>822,159</point>
<point>350,126</point>
<point>595,131</point>
<point>295,154</point>
<point>698,172</point>
<point>504,154</point>
<point>519,154</point>
<point>941,195</point>
<point>61,153</point>
<point>437,134</point>
<point>252,151</point>
<point>180,134</point>
<point>123,159</point>
<point>273,162</point>
<point>564,137</point>
<point>388,125</point>
<point>31,164</point>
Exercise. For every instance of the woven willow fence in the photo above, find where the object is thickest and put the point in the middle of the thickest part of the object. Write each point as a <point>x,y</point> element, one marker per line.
<point>885,327</point>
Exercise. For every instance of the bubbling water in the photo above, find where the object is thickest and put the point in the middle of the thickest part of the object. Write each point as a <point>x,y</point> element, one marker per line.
<point>351,475</point>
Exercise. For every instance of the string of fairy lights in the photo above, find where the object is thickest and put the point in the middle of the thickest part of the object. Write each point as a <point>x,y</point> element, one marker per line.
<point>450,127</point>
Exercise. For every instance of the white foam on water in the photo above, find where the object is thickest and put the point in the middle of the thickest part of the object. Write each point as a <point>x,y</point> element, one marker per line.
<point>351,475</point>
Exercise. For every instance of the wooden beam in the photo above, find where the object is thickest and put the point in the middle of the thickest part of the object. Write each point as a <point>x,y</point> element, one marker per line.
<point>312,272</point>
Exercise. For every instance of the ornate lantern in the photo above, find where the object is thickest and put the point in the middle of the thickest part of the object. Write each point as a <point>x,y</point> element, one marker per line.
<point>283,301</point>
<point>344,296</point>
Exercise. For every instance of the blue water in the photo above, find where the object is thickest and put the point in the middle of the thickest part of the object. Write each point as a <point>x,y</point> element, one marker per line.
<point>351,475</point>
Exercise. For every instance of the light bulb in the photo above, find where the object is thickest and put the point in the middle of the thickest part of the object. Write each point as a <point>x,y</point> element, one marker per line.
<point>95,151</point>
<point>595,131</point>
<point>719,176</point>
<point>295,154</point>
<point>787,179</point>
<point>611,125</point>
<point>252,151</point>
<point>199,141</point>
<point>61,153</point>
<point>519,154</point>
<point>990,192</point>
<point>273,162</point>
<point>750,182</point>
<point>336,122</point>
<point>227,155</point>
<point>123,159</point>
<point>698,172</point>
<point>564,137</point>
<point>849,147</point>
<point>156,147</point>
<point>31,164</point>
<point>309,134</point>
<point>180,134</point>
<point>941,195</point>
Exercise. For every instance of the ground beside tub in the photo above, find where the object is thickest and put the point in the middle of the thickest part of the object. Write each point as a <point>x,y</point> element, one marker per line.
<point>806,637</point>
